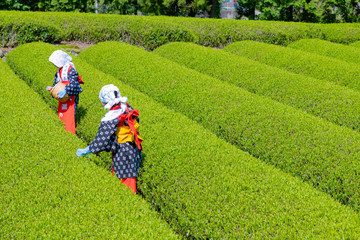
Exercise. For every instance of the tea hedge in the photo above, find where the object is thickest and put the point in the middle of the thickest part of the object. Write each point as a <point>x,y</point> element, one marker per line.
<point>49,193</point>
<point>328,49</point>
<point>339,33</point>
<point>321,153</point>
<point>151,32</point>
<point>204,187</point>
<point>301,62</point>
<point>17,29</point>
<point>355,44</point>
<point>337,104</point>
<point>86,27</point>
<point>221,32</point>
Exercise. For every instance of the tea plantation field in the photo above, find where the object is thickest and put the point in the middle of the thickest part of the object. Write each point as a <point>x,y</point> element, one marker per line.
<point>250,141</point>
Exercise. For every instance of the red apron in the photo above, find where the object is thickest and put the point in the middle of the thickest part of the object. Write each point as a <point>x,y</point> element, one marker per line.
<point>66,113</point>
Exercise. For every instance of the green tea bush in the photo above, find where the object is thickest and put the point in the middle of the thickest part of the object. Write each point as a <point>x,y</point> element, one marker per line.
<point>151,32</point>
<point>137,30</point>
<point>339,33</point>
<point>319,152</point>
<point>301,62</point>
<point>49,193</point>
<point>335,103</point>
<point>204,187</point>
<point>355,44</point>
<point>219,33</point>
<point>329,49</point>
<point>17,29</point>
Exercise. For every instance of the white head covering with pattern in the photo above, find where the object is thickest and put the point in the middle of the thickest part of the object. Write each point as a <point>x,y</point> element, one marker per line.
<point>62,60</point>
<point>110,95</point>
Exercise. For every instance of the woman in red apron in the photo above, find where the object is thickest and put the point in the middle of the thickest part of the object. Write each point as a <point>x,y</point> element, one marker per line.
<point>66,74</point>
<point>118,133</point>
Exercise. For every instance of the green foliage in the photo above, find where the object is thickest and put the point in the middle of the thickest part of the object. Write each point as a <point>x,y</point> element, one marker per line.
<point>182,7</point>
<point>277,10</point>
<point>142,31</point>
<point>246,8</point>
<point>321,153</point>
<point>349,10</point>
<point>340,33</point>
<point>64,5</point>
<point>355,44</point>
<point>325,48</point>
<point>17,29</point>
<point>301,62</point>
<point>152,32</point>
<point>49,193</point>
<point>46,5</point>
<point>337,104</point>
<point>204,187</point>
<point>219,33</point>
<point>324,11</point>
<point>118,6</point>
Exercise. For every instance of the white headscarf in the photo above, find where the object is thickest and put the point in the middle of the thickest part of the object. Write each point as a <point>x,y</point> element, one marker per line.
<point>62,60</point>
<point>110,95</point>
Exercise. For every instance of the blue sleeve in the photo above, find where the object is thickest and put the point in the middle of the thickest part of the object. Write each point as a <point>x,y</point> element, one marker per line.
<point>105,137</point>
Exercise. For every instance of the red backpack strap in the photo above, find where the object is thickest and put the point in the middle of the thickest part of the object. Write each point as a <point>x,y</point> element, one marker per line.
<point>123,117</point>
<point>131,122</point>
<point>79,77</point>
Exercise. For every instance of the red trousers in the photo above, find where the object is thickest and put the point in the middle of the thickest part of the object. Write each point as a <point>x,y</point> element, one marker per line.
<point>130,183</point>
<point>66,113</point>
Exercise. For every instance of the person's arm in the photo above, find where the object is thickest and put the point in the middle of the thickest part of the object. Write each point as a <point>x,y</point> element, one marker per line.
<point>104,139</point>
<point>73,88</point>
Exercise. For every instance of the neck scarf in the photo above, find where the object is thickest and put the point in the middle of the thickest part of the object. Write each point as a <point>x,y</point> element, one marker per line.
<point>112,114</point>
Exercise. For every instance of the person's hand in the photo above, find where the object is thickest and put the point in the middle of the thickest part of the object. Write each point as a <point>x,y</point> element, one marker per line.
<point>82,152</point>
<point>62,93</point>
<point>48,88</point>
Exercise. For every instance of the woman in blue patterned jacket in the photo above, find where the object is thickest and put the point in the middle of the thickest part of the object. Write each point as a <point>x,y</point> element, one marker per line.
<point>68,75</point>
<point>118,133</point>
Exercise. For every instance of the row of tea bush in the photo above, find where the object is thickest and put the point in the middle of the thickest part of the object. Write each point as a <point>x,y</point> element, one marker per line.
<point>300,62</point>
<point>151,32</point>
<point>204,187</point>
<point>325,48</point>
<point>61,26</point>
<point>332,102</point>
<point>17,29</point>
<point>219,33</point>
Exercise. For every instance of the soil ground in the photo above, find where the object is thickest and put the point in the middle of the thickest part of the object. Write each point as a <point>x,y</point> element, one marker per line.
<point>81,45</point>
